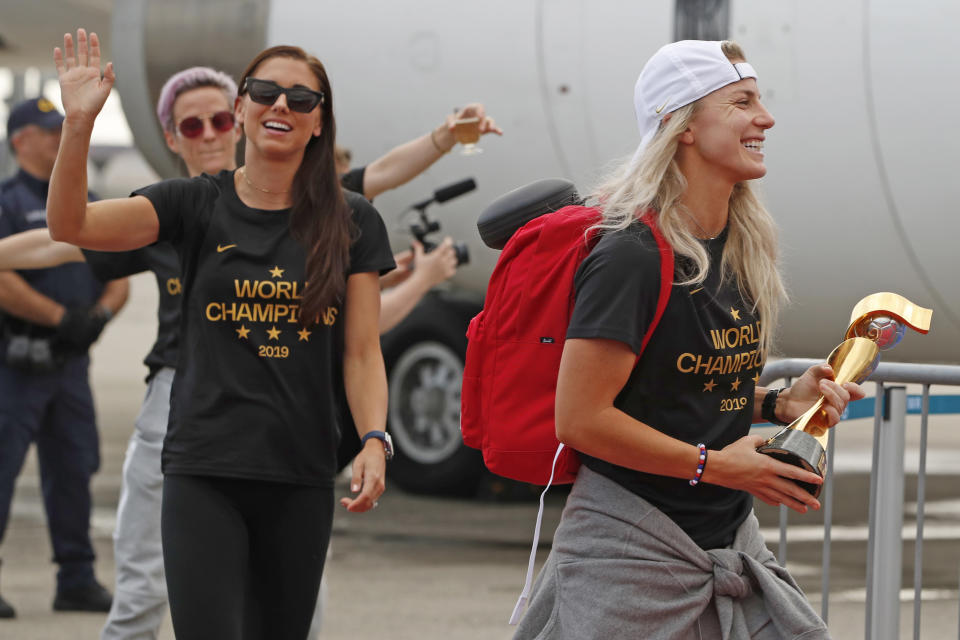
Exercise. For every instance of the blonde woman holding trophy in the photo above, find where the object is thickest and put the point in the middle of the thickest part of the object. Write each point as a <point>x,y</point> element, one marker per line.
<point>658,537</point>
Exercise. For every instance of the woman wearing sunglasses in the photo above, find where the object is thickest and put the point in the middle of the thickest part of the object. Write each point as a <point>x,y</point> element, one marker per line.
<point>249,454</point>
<point>198,121</point>
<point>195,111</point>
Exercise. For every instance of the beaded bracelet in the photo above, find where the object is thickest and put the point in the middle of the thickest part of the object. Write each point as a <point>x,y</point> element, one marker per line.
<point>700,464</point>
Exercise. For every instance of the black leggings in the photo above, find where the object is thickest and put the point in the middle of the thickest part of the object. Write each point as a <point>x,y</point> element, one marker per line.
<point>243,558</point>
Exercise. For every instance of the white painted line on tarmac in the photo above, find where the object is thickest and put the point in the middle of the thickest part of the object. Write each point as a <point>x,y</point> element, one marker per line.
<point>939,462</point>
<point>859,533</point>
<point>859,596</point>
<point>936,508</point>
<point>103,520</point>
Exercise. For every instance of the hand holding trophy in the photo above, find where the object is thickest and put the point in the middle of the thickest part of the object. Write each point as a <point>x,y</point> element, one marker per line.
<point>877,323</point>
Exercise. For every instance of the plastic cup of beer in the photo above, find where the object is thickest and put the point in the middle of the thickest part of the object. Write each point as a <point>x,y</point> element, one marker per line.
<point>466,131</point>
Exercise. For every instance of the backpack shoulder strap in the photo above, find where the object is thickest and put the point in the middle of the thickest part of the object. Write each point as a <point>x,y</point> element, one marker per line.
<point>666,277</point>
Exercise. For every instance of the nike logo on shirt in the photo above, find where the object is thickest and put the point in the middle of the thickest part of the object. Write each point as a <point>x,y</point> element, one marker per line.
<point>223,247</point>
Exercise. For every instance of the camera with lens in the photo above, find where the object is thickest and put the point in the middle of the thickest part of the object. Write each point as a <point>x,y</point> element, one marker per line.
<point>427,226</point>
<point>420,232</point>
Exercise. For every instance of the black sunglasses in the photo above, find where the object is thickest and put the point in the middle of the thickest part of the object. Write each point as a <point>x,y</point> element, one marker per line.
<point>192,127</point>
<point>266,92</point>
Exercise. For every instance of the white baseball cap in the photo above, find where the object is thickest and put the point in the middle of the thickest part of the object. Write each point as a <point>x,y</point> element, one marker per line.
<point>678,74</point>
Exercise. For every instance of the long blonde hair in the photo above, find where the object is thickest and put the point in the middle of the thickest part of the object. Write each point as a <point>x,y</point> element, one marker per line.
<point>653,181</point>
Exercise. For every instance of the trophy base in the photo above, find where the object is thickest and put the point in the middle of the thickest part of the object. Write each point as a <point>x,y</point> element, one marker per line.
<point>800,449</point>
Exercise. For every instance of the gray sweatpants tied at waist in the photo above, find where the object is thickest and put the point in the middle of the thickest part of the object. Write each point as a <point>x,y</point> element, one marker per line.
<point>620,568</point>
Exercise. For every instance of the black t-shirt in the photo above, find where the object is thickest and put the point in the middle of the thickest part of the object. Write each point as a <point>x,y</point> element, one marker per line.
<point>695,379</point>
<point>254,393</point>
<point>160,258</point>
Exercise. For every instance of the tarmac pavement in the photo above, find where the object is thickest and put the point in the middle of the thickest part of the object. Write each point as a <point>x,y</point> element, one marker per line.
<point>421,568</point>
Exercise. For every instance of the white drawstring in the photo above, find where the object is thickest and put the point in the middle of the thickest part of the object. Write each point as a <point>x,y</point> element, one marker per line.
<point>525,594</point>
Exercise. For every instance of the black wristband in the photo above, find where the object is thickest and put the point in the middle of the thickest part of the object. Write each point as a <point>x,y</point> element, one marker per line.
<point>768,410</point>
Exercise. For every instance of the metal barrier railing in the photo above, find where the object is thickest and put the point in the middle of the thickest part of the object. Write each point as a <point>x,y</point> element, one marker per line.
<point>884,542</point>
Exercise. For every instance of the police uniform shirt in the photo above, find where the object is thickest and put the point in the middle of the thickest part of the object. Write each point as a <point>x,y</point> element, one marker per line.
<point>254,392</point>
<point>160,258</point>
<point>695,380</point>
<point>23,206</point>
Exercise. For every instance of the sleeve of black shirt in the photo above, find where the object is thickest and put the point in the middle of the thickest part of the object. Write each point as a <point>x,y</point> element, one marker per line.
<point>353,180</point>
<point>110,265</point>
<point>617,287</point>
<point>371,249</point>
<point>177,203</point>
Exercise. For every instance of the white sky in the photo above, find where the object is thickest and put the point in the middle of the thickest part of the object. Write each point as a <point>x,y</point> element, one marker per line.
<point>110,128</point>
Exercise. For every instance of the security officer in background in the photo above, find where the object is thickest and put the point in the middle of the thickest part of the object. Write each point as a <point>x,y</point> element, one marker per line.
<point>50,317</point>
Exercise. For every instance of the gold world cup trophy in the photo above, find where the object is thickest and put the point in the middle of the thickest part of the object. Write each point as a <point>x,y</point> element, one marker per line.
<point>877,323</point>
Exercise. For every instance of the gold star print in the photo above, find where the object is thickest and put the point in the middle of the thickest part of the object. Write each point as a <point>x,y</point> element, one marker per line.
<point>756,378</point>
<point>274,333</point>
<point>708,386</point>
<point>276,272</point>
<point>735,313</point>
<point>735,385</point>
<point>242,332</point>
<point>304,335</point>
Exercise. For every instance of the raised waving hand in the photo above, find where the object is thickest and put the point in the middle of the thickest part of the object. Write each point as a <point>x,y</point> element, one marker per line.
<point>106,225</point>
<point>83,88</point>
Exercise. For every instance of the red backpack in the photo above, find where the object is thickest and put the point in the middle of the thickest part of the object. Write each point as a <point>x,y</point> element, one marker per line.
<point>515,343</point>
